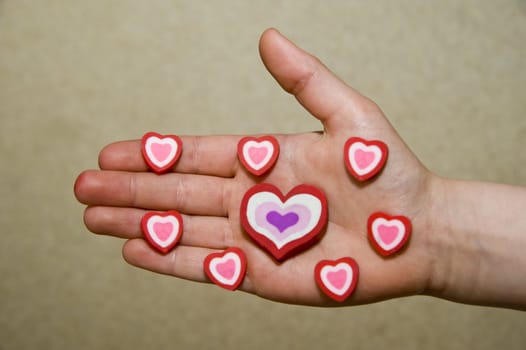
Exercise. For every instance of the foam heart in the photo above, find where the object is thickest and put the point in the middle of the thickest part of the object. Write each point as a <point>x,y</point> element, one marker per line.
<point>258,154</point>
<point>161,152</point>
<point>337,278</point>
<point>363,158</point>
<point>226,269</point>
<point>284,225</point>
<point>162,230</point>
<point>388,234</point>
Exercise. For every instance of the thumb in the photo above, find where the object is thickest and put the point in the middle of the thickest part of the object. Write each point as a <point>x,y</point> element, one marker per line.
<point>316,88</point>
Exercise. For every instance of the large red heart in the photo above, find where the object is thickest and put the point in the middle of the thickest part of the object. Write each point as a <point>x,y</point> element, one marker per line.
<point>284,225</point>
<point>364,159</point>
<point>161,152</point>
<point>258,154</point>
<point>162,230</point>
<point>337,278</point>
<point>226,269</point>
<point>388,234</point>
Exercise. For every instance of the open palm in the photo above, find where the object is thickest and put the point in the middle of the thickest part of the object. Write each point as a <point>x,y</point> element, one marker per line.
<point>208,183</point>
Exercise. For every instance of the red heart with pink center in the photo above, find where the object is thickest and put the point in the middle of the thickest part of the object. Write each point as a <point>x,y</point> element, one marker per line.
<point>162,230</point>
<point>226,269</point>
<point>161,152</point>
<point>388,234</point>
<point>337,278</point>
<point>258,154</point>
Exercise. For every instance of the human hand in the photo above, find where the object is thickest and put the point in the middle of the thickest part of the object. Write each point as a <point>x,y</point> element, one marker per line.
<point>208,183</point>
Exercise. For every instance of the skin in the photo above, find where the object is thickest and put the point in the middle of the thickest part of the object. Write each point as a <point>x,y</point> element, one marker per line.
<point>459,249</point>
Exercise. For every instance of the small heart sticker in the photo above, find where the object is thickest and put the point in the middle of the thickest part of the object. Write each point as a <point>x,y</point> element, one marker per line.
<point>337,278</point>
<point>161,152</point>
<point>364,159</point>
<point>162,230</point>
<point>226,269</point>
<point>388,234</point>
<point>284,225</point>
<point>258,154</point>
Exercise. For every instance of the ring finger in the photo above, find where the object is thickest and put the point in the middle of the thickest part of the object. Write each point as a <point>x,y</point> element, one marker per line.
<point>199,231</point>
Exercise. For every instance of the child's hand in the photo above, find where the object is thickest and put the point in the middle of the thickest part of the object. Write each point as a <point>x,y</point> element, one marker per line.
<point>208,183</point>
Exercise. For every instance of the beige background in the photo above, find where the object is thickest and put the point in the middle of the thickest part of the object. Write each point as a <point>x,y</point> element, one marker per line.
<point>76,75</point>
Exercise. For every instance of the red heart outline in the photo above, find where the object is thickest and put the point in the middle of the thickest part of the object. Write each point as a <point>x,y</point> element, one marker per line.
<point>333,263</point>
<point>404,220</point>
<point>147,234</point>
<point>376,169</point>
<point>243,267</point>
<point>271,161</point>
<point>297,245</point>
<point>150,163</point>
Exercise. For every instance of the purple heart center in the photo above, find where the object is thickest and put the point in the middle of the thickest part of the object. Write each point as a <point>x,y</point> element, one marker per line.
<point>282,222</point>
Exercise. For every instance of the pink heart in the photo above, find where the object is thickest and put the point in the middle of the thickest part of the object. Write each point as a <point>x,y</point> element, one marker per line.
<point>163,230</point>
<point>161,151</point>
<point>257,154</point>
<point>388,233</point>
<point>226,269</point>
<point>337,278</point>
<point>363,159</point>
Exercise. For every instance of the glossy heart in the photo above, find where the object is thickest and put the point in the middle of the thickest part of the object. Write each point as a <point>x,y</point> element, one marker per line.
<point>162,230</point>
<point>337,278</point>
<point>388,234</point>
<point>364,159</point>
<point>258,154</point>
<point>284,225</point>
<point>161,152</point>
<point>226,269</point>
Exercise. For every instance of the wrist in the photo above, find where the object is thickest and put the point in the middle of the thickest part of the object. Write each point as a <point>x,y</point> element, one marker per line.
<point>447,247</point>
<point>475,243</point>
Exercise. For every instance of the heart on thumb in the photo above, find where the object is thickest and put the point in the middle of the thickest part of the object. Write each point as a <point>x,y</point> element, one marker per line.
<point>388,234</point>
<point>162,230</point>
<point>337,278</point>
<point>226,269</point>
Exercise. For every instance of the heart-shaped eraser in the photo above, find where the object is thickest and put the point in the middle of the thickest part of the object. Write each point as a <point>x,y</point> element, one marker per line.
<point>258,154</point>
<point>284,225</point>
<point>337,278</point>
<point>161,152</point>
<point>226,269</point>
<point>388,234</point>
<point>363,158</point>
<point>162,230</point>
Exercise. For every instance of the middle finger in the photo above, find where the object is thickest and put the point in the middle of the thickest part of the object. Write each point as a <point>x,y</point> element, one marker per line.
<point>189,194</point>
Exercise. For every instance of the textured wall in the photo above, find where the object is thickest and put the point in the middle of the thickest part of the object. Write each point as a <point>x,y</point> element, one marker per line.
<point>76,75</point>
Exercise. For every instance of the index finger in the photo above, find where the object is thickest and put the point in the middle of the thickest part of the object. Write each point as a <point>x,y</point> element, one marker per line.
<point>204,155</point>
